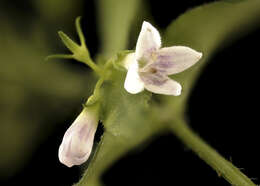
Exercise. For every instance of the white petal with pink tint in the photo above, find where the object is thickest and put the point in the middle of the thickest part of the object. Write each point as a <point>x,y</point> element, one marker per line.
<point>160,84</point>
<point>172,60</point>
<point>133,83</point>
<point>149,41</point>
<point>77,142</point>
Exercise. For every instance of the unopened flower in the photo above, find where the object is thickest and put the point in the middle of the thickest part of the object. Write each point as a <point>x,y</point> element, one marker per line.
<point>150,65</point>
<point>78,140</point>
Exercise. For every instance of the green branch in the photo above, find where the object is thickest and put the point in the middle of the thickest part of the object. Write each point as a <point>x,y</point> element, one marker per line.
<point>223,167</point>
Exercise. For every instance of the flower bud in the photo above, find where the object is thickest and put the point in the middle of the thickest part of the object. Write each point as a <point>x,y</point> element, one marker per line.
<point>77,142</point>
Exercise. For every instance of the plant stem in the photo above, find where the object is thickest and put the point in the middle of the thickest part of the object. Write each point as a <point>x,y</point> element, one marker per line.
<point>223,167</point>
<point>94,67</point>
<point>82,55</point>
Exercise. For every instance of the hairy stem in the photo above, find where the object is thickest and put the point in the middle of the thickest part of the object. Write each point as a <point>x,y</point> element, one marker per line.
<point>223,167</point>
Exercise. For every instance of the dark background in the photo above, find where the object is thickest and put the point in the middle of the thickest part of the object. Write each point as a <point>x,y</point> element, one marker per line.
<point>223,109</point>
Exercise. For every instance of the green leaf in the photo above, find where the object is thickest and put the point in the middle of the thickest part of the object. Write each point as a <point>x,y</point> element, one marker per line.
<point>57,11</point>
<point>115,18</point>
<point>207,29</point>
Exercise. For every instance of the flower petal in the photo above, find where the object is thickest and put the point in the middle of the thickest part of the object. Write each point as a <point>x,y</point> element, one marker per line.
<point>78,140</point>
<point>161,84</point>
<point>148,42</point>
<point>133,83</point>
<point>172,60</point>
<point>129,59</point>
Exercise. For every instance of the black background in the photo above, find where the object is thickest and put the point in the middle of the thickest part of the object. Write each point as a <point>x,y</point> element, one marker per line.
<point>223,109</point>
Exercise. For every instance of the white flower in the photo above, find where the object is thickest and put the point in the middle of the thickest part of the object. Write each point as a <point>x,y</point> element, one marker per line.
<point>150,65</point>
<point>78,140</point>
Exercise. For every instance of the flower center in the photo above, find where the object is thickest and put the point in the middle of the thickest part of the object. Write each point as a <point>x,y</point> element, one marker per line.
<point>152,70</point>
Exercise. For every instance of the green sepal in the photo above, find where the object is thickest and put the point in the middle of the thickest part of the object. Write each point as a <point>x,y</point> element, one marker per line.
<point>80,33</point>
<point>69,43</point>
<point>119,59</point>
<point>61,56</point>
<point>79,52</point>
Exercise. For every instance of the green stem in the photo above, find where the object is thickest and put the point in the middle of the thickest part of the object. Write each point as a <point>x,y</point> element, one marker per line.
<point>96,94</point>
<point>83,56</point>
<point>95,67</point>
<point>223,167</point>
<point>104,75</point>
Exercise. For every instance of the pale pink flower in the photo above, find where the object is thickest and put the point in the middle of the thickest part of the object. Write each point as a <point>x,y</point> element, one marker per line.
<point>150,65</point>
<point>77,142</point>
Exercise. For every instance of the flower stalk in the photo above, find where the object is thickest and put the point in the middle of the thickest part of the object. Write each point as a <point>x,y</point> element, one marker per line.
<point>97,92</point>
<point>223,167</point>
